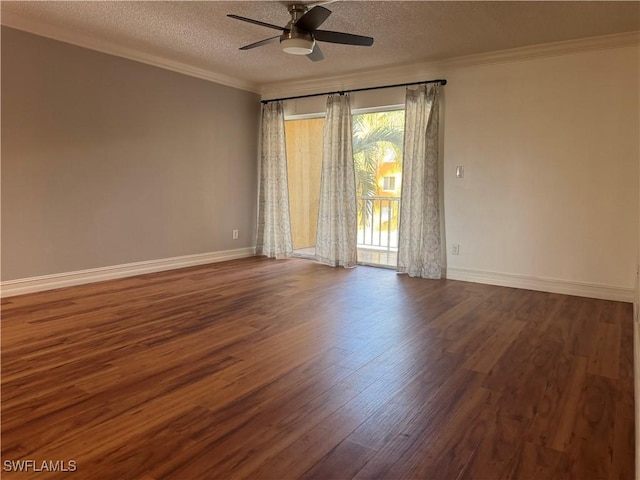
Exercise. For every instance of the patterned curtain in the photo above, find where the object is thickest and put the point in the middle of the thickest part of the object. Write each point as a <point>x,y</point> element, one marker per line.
<point>274,224</point>
<point>337,217</point>
<point>419,232</point>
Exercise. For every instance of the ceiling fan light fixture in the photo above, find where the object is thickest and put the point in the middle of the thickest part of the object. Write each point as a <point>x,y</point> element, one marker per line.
<point>297,45</point>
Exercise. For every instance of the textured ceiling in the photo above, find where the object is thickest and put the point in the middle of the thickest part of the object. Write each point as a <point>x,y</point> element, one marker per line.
<point>200,35</point>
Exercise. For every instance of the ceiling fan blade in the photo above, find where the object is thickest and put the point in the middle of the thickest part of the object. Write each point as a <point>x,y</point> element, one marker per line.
<point>260,43</point>
<point>255,22</point>
<point>344,38</point>
<point>316,55</point>
<point>313,18</point>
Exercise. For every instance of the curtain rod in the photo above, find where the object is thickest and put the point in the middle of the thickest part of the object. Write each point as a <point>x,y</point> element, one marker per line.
<point>342,92</point>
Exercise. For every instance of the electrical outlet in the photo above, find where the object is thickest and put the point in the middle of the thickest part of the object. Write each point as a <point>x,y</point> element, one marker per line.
<point>234,234</point>
<point>455,249</point>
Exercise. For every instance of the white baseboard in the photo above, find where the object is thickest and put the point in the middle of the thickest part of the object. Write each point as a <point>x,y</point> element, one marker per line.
<point>49,282</point>
<point>566,287</point>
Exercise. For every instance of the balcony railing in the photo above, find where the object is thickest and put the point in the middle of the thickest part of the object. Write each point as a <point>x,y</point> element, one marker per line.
<point>378,219</point>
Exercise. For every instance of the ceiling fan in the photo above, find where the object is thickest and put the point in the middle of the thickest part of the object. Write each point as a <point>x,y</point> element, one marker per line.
<point>300,34</point>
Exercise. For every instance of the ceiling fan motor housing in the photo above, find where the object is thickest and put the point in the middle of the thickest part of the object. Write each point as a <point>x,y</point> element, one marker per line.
<point>293,40</point>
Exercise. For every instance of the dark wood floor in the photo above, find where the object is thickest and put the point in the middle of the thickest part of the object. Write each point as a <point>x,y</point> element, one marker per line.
<point>287,369</point>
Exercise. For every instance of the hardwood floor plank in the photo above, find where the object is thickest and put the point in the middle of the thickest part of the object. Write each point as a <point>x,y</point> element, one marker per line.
<point>343,461</point>
<point>471,331</point>
<point>623,440</point>
<point>501,434</point>
<point>246,448</point>
<point>128,460</point>
<point>301,454</point>
<point>583,330</point>
<point>605,359</point>
<point>255,368</point>
<point>509,300</point>
<point>591,445</point>
<point>407,402</point>
<point>534,462</point>
<point>444,454</point>
<point>431,418</point>
<point>554,420</point>
<point>250,414</point>
<point>539,307</point>
<point>485,357</point>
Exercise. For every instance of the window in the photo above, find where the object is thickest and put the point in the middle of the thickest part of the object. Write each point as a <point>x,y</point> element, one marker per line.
<point>389,184</point>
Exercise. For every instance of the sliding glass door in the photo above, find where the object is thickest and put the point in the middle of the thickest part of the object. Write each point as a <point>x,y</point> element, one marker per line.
<point>377,153</point>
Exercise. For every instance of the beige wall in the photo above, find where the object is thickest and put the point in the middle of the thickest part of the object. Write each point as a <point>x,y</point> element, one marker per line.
<point>106,161</point>
<point>551,154</point>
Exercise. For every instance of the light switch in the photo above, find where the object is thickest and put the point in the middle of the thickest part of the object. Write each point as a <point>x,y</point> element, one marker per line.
<point>459,171</point>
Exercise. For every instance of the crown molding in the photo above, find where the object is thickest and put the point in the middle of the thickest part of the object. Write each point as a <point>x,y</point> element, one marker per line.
<point>438,69</point>
<point>368,78</point>
<point>19,22</point>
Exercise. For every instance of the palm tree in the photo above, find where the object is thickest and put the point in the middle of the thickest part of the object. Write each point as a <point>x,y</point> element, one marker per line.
<point>374,135</point>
